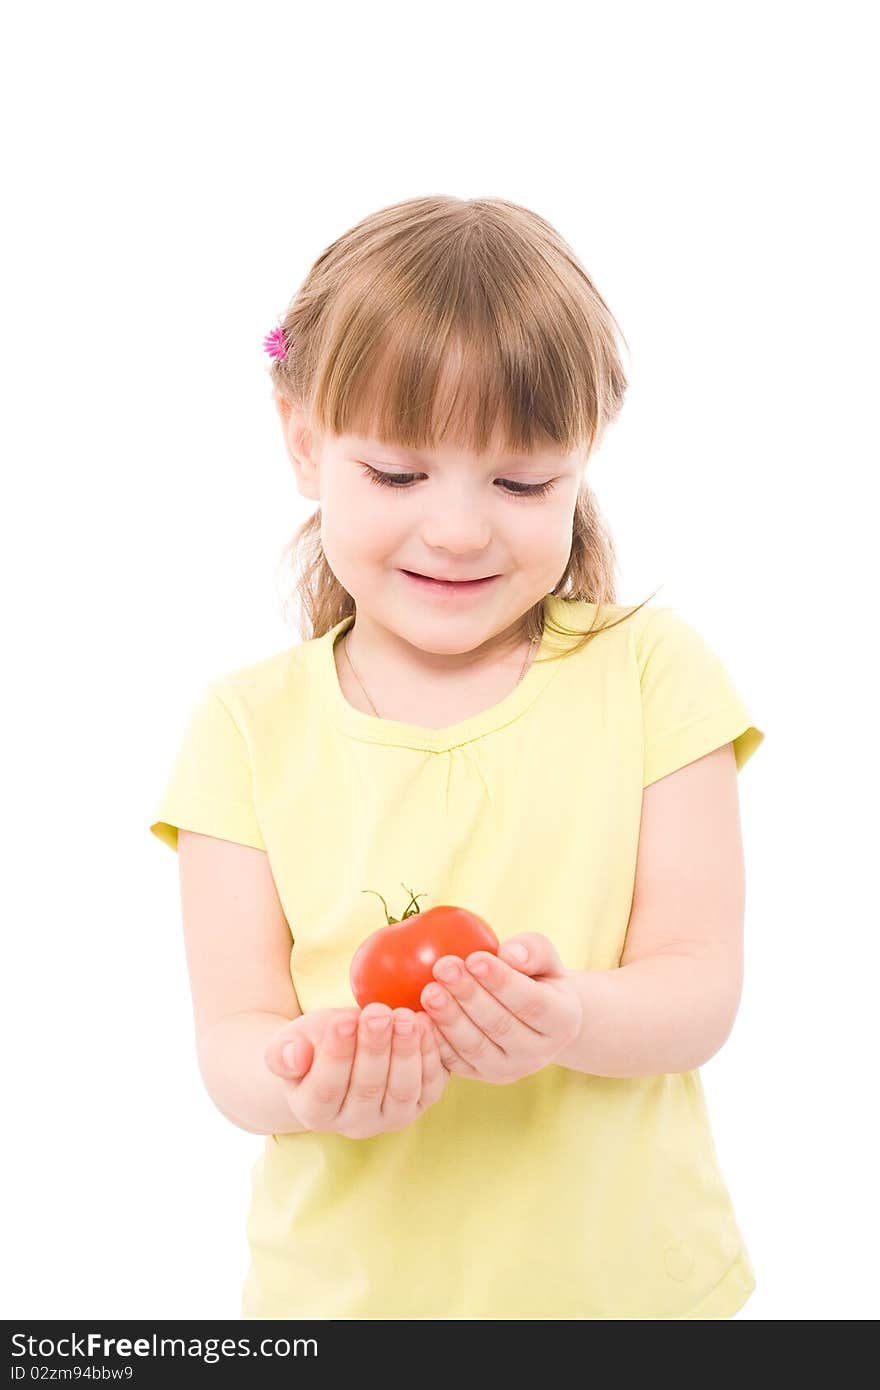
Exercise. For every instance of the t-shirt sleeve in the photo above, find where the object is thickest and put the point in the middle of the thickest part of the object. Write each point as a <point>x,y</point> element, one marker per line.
<point>210,785</point>
<point>690,705</point>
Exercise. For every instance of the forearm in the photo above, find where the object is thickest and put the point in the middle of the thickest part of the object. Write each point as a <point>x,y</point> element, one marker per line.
<point>663,1013</point>
<point>232,1063</point>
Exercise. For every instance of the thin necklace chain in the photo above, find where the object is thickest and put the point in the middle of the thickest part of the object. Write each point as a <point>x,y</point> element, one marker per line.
<point>366,692</point>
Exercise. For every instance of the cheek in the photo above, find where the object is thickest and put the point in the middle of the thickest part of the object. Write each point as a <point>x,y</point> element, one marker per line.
<point>360,530</point>
<point>545,535</point>
<point>342,543</point>
<point>542,551</point>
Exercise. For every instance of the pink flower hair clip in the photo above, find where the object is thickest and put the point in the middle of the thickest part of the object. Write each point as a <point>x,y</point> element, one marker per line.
<point>275,344</point>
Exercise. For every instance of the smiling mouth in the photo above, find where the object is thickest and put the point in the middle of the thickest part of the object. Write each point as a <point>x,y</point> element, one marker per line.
<point>433,579</point>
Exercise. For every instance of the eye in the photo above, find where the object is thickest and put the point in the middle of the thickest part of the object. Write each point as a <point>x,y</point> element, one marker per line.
<point>401,480</point>
<point>387,479</point>
<point>528,489</point>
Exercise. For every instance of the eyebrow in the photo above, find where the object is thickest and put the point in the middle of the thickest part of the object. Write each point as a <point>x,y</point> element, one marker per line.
<point>510,461</point>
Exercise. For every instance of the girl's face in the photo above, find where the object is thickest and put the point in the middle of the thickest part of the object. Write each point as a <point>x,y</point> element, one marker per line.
<point>448,515</point>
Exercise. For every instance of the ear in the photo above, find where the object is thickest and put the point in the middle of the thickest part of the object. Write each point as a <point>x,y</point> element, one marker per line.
<point>301,444</point>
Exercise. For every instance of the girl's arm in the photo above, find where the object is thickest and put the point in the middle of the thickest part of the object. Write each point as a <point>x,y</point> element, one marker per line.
<point>672,1002</point>
<point>238,948</point>
<point>663,1013</point>
<point>232,1060</point>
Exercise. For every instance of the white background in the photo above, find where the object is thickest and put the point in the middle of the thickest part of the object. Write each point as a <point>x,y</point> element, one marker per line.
<point>171,173</point>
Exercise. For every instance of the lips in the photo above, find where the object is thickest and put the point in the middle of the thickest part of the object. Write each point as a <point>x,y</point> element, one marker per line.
<point>441,579</point>
<point>447,586</point>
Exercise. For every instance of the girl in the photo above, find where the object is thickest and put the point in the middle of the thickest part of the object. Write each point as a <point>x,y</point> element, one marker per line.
<point>474,716</point>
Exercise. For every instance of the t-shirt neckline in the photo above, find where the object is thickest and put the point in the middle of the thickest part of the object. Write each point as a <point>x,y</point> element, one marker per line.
<point>371,729</point>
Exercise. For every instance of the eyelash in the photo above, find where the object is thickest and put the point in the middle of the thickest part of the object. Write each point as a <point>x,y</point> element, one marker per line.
<point>384,480</point>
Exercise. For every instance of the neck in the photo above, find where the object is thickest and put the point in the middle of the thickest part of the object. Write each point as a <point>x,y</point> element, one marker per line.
<point>442,696</point>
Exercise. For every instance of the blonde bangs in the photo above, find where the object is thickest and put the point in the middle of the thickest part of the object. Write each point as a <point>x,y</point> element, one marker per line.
<point>460,327</point>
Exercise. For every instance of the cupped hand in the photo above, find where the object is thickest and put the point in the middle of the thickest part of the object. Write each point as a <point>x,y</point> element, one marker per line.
<point>503,1018</point>
<point>368,1082</point>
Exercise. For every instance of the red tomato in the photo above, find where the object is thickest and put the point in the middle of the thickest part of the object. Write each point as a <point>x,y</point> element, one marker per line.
<point>394,964</point>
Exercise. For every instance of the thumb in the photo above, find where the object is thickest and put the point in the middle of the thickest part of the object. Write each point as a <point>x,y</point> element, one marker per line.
<point>289,1054</point>
<point>297,1057</point>
<point>533,953</point>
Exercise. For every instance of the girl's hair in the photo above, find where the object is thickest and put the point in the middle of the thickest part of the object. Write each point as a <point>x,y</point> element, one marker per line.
<point>445,318</point>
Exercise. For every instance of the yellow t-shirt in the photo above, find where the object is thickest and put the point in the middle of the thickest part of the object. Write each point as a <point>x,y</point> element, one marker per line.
<point>563,1195</point>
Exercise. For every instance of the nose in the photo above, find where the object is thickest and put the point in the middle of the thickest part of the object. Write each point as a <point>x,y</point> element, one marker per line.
<point>456,525</point>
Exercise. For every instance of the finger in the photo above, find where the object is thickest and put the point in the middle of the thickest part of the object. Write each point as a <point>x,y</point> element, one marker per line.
<point>291,1032</point>
<point>298,1056</point>
<point>434,1069</point>
<point>541,958</point>
<point>404,1084</point>
<point>274,1053</point>
<point>530,1001</point>
<point>508,1008</point>
<point>366,1087</point>
<point>465,1036</point>
<point>323,1089</point>
<point>448,1055</point>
